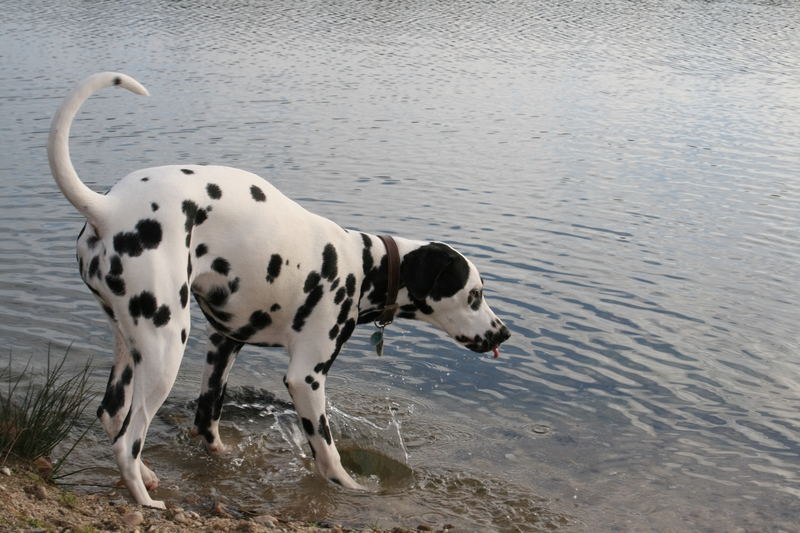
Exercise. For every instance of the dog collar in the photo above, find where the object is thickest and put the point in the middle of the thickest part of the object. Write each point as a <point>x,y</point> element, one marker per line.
<point>386,316</point>
<point>393,282</point>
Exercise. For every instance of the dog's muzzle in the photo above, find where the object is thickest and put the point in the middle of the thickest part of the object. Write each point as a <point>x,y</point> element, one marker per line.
<point>487,342</point>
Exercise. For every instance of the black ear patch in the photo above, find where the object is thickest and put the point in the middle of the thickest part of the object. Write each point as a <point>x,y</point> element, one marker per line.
<point>434,271</point>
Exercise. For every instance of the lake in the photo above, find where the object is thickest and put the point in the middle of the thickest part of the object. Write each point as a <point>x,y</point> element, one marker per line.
<point>624,174</point>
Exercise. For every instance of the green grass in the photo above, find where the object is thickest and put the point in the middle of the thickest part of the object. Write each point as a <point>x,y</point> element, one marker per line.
<point>39,410</point>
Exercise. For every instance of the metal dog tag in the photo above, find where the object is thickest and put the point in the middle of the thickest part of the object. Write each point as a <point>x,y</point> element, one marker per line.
<point>376,339</point>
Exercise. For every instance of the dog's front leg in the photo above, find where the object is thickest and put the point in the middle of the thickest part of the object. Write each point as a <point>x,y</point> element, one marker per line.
<point>306,384</point>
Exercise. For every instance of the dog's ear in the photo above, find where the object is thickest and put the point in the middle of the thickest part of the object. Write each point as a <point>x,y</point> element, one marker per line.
<point>434,270</point>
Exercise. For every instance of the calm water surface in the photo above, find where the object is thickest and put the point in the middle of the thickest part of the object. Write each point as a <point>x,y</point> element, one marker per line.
<point>623,173</point>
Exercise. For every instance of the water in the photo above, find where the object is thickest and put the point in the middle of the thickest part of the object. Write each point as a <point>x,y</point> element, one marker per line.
<point>623,173</point>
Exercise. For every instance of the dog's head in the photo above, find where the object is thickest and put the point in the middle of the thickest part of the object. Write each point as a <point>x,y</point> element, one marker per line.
<point>447,290</point>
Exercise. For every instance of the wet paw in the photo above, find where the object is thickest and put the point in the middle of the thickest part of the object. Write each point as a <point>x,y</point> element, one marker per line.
<point>149,478</point>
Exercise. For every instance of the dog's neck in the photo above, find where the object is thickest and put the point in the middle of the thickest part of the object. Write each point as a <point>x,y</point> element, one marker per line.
<point>374,285</point>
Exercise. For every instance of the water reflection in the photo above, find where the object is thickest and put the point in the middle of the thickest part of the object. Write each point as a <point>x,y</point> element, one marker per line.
<point>622,173</point>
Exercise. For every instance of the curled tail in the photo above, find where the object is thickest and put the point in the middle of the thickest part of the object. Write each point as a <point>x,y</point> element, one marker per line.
<point>85,200</point>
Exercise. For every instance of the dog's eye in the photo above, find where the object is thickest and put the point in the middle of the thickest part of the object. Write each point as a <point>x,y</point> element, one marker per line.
<point>475,294</point>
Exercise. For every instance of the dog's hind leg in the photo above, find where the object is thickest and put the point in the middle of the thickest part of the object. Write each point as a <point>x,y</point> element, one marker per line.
<point>155,336</point>
<point>219,360</point>
<point>115,406</point>
<point>305,382</point>
<point>116,401</point>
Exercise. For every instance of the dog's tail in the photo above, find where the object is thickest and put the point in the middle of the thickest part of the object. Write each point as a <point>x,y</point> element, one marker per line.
<point>85,200</point>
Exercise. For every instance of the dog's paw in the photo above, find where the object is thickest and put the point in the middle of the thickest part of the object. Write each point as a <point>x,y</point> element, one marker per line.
<point>155,504</point>
<point>149,478</point>
<point>217,447</point>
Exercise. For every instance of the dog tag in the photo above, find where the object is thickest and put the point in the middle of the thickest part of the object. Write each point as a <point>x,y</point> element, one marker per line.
<point>377,341</point>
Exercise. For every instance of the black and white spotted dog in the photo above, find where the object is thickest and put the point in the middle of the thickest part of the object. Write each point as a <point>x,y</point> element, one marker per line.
<point>264,270</point>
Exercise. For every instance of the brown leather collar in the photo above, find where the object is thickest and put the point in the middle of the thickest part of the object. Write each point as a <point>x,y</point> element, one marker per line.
<point>393,282</point>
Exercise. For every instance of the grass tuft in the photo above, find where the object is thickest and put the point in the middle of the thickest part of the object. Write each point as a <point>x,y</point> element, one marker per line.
<point>39,411</point>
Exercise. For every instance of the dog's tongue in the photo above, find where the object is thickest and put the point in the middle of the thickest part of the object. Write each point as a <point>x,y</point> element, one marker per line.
<point>496,351</point>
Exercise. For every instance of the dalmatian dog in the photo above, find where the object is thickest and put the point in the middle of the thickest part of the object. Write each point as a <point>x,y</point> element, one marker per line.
<point>264,271</point>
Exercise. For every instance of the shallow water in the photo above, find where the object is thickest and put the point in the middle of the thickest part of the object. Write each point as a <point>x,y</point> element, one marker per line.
<point>623,173</point>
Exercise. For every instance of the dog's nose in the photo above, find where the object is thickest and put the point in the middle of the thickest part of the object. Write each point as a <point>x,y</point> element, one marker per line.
<point>496,338</point>
<point>503,334</point>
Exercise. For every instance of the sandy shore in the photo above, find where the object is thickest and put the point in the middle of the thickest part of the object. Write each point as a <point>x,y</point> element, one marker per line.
<point>29,503</point>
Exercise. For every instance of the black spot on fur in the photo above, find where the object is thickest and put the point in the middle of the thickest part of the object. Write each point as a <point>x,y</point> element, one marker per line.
<point>137,447</point>
<point>474,299</point>
<point>209,404</point>
<point>187,171</point>
<point>201,216</point>
<point>116,284</point>
<point>334,331</point>
<point>189,209</point>
<point>184,294</point>
<point>147,236</point>
<point>161,316</point>
<point>311,381</point>
<point>408,311</point>
<point>324,430</point>
<point>115,268</point>
<point>329,259</point>
<point>117,80</point>
<point>344,312</point>
<point>257,194</point>
<point>144,304</point>
<point>114,398</point>
<point>275,307</point>
<point>233,285</point>
<point>128,243</point>
<point>315,292</point>
<point>434,271</point>
<point>319,367</point>
<point>154,207</point>
<point>124,427</point>
<point>201,250</point>
<point>183,336</point>
<point>217,296</point>
<point>221,265</point>
<point>337,299</point>
<point>92,241</point>
<point>94,267</point>
<point>274,267</point>
<point>312,281</point>
<point>260,319</point>
<point>213,191</point>
<point>149,233</point>
<point>308,426</point>
<point>344,335</point>
<point>136,355</point>
<point>422,306</point>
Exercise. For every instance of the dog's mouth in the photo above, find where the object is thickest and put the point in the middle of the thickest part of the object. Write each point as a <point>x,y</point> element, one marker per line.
<point>488,342</point>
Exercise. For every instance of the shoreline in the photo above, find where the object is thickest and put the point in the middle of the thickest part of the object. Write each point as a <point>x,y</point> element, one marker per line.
<point>28,502</point>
